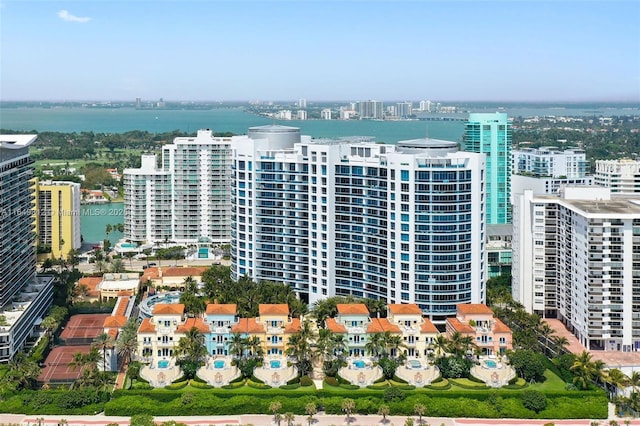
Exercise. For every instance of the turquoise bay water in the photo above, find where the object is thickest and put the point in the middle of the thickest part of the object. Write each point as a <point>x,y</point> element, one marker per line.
<point>94,219</point>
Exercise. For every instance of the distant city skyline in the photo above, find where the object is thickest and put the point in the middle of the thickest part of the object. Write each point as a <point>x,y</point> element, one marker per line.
<point>483,51</point>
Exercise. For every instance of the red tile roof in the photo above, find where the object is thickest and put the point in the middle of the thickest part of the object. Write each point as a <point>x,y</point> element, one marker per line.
<point>381,325</point>
<point>474,308</point>
<point>501,327</point>
<point>405,309</point>
<point>92,284</point>
<point>172,271</point>
<point>168,309</point>
<point>335,326</point>
<point>221,309</point>
<point>117,321</point>
<point>247,325</point>
<point>428,327</point>
<point>352,309</point>
<point>293,326</point>
<point>191,323</point>
<point>146,326</point>
<point>273,309</point>
<point>460,326</point>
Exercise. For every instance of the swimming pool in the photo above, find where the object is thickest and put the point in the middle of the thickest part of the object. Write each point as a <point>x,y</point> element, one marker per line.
<point>163,363</point>
<point>218,364</point>
<point>129,245</point>
<point>490,363</point>
<point>415,363</point>
<point>146,306</point>
<point>274,364</point>
<point>358,364</point>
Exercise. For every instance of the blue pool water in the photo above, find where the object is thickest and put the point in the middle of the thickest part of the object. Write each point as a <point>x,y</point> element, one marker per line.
<point>358,364</point>
<point>129,245</point>
<point>163,364</point>
<point>218,364</point>
<point>490,363</point>
<point>275,364</point>
<point>415,363</point>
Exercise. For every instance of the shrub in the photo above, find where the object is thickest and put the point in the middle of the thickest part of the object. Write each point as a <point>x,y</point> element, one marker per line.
<point>290,387</point>
<point>534,400</point>
<point>332,381</point>
<point>254,379</point>
<point>200,385</point>
<point>177,385</point>
<point>393,394</point>
<point>528,364</point>
<point>294,380</point>
<point>454,367</point>
<point>306,381</point>
<point>399,380</point>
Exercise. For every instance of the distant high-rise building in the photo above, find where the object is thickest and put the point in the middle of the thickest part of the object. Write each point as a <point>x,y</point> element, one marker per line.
<point>58,217</point>
<point>187,200</point>
<point>490,134</point>
<point>370,109</point>
<point>302,103</point>
<point>24,297</point>
<point>325,114</point>
<point>301,114</point>
<point>622,176</point>
<point>402,223</point>
<point>404,109</point>
<point>575,259</point>
<point>425,106</point>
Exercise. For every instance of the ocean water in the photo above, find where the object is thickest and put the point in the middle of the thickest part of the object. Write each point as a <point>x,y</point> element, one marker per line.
<point>235,120</point>
<point>94,219</point>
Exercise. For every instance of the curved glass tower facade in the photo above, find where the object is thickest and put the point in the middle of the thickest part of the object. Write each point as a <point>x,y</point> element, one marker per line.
<point>402,223</point>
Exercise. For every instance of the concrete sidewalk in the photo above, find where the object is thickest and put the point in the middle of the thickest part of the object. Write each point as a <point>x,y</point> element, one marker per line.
<point>263,420</point>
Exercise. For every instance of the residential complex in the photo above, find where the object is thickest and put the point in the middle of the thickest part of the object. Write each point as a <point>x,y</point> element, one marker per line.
<point>404,223</point>
<point>545,170</point>
<point>185,200</point>
<point>370,110</point>
<point>24,298</point>
<point>622,176</point>
<point>575,259</point>
<point>273,327</point>
<point>490,133</point>
<point>58,217</point>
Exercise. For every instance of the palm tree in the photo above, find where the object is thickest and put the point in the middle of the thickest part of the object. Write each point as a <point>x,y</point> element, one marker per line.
<point>255,347</point>
<point>393,343</point>
<point>310,410</point>
<point>440,345</point>
<point>375,344</point>
<point>582,368</point>
<point>634,380</point>
<point>238,346</point>
<point>348,405</point>
<point>275,407</point>
<point>127,341</point>
<point>191,347</point>
<point>289,417</point>
<point>22,372</point>
<point>546,332</point>
<point>419,410</point>
<point>103,342</point>
<point>560,344</point>
<point>384,412</point>
<point>617,379</point>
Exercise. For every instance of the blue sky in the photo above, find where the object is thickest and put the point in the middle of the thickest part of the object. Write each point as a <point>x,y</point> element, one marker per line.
<point>320,50</point>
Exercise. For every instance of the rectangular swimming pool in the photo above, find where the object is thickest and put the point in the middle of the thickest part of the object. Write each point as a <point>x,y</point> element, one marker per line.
<point>218,363</point>
<point>163,363</point>
<point>358,364</point>
<point>275,364</point>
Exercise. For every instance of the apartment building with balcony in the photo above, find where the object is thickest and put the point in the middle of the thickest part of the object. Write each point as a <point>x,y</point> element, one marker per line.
<point>353,321</point>
<point>273,327</point>
<point>490,335</point>
<point>186,198</point>
<point>24,297</point>
<point>403,223</point>
<point>575,258</point>
<point>621,176</point>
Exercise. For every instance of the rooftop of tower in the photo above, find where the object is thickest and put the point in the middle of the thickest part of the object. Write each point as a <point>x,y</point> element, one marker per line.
<point>274,128</point>
<point>16,141</point>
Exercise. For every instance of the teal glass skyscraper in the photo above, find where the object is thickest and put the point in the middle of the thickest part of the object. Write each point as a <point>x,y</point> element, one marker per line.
<point>490,134</point>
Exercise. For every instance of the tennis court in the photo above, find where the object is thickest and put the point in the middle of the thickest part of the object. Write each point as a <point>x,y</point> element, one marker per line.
<point>57,369</point>
<point>83,328</point>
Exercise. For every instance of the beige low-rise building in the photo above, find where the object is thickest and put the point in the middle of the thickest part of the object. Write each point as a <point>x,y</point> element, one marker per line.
<point>490,335</point>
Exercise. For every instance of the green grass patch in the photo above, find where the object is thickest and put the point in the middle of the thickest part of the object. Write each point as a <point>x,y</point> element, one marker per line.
<point>468,384</point>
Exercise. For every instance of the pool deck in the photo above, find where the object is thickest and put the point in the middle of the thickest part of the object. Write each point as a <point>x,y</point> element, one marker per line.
<point>275,377</point>
<point>218,377</point>
<point>360,376</point>
<point>418,376</point>
<point>160,377</point>
<point>494,377</point>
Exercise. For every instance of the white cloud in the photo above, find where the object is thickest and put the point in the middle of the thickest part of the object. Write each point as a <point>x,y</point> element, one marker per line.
<point>66,16</point>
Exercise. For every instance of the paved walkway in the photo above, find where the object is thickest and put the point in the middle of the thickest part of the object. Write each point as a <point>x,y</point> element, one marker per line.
<point>263,420</point>
<point>218,372</point>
